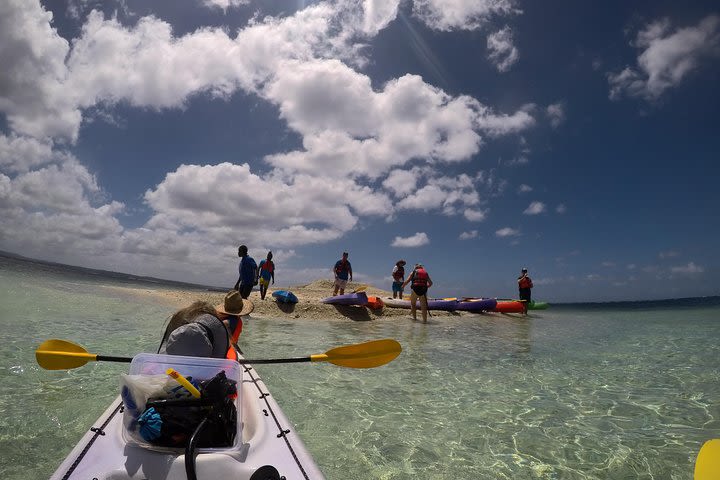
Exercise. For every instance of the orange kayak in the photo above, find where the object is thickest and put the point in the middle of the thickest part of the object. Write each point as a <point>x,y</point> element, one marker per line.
<point>375,303</point>
<point>509,307</point>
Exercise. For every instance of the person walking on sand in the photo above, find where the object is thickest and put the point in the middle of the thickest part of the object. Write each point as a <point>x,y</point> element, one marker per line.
<point>419,281</point>
<point>398,275</point>
<point>248,273</point>
<point>524,286</point>
<point>266,272</point>
<point>342,271</point>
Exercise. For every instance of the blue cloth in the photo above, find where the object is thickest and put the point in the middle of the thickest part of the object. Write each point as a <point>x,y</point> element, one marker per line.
<point>397,287</point>
<point>342,271</point>
<point>247,270</point>
<point>150,424</point>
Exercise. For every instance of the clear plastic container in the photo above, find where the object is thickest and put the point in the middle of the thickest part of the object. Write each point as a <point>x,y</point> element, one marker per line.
<point>199,368</point>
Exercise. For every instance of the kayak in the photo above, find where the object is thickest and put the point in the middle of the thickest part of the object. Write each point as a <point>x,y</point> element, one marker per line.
<point>266,447</point>
<point>477,305</point>
<point>357,298</point>
<point>433,304</point>
<point>509,306</point>
<point>533,305</point>
<point>375,303</point>
<point>284,296</point>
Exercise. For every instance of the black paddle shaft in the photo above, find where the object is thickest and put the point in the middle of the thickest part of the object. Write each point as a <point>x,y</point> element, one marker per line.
<point>276,360</point>
<point>104,358</point>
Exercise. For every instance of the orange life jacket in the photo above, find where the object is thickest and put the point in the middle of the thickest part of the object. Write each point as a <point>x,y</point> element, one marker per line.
<point>420,278</point>
<point>268,266</point>
<point>232,353</point>
<point>525,282</point>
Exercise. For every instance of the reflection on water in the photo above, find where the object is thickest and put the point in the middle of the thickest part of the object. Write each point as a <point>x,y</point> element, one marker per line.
<point>566,393</point>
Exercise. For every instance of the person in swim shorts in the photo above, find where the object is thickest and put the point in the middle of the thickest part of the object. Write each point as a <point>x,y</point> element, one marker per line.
<point>343,272</point>
<point>266,273</point>
<point>419,281</point>
<point>398,275</point>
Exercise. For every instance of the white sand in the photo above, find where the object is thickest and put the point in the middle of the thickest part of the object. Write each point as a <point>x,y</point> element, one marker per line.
<point>308,306</point>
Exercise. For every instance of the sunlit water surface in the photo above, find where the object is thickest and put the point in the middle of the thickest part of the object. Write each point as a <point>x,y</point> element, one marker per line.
<point>586,392</point>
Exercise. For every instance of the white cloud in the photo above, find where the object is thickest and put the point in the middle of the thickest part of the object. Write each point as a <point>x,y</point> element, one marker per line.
<point>556,114</point>
<point>417,240</point>
<point>33,72</point>
<point>503,124</point>
<point>20,154</point>
<point>475,215</point>
<point>688,269</point>
<point>402,182</point>
<point>561,208</point>
<point>667,57</point>
<point>468,235</point>
<point>507,232</point>
<point>461,14</point>
<point>535,208</point>
<point>524,188</point>
<point>224,5</point>
<point>501,50</point>
<point>668,254</point>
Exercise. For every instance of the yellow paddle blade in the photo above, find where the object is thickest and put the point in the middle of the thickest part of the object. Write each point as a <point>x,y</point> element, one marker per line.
<point>361,288</point>
<point>361,355</point>
<point>57,354</point>
<point>707,465</point>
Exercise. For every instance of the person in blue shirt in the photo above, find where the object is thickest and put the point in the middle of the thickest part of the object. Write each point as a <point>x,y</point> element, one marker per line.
<point>342,271</point>
<point>248,273</point>
<point>266,272</point>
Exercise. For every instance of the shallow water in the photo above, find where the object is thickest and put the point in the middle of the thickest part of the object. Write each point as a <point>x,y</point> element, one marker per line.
<point>615,391</point>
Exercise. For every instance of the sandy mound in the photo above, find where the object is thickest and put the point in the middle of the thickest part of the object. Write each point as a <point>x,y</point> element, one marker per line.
<point>308,306</point>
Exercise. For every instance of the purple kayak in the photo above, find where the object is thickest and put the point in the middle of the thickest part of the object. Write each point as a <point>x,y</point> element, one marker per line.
<point>477,305</point>
<point>433,304</point>
<point>358,298</point>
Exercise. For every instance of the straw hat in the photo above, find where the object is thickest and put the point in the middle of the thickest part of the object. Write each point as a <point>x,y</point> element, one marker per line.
<point>235,305</point>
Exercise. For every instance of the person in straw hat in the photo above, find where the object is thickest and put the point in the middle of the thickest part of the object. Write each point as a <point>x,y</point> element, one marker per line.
<point>201,330</point>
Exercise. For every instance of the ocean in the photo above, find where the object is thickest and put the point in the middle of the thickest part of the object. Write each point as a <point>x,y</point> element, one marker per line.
<point>593,391</point>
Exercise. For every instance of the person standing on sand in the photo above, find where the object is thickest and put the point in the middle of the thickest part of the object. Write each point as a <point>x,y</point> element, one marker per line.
<point>524,286</point>
<point>398,275</point>
<point>342,271</point>
<point>419,281</point>
<point>266,271</point>
<point>248,273</point>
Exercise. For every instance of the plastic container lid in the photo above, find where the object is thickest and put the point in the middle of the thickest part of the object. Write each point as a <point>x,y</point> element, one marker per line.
<point>199,368</point>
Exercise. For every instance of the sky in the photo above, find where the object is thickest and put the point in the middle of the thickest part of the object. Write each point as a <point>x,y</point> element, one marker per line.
<point>580,140</point>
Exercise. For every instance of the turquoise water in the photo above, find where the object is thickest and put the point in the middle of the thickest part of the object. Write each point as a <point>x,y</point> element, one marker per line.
<point>586,392</point>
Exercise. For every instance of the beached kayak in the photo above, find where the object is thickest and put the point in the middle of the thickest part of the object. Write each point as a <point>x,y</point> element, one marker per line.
<point>509,306</point>
<point>477,305</point>
<point>357,298</point>
<point>433,304</point>
<point>375,303</point>
<point>267,446</point>
<point>533,305</point>
<point>284,296</point>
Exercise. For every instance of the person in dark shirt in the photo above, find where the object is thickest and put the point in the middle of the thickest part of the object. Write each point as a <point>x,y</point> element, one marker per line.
<point>343,272</point>
<point>248,273</point>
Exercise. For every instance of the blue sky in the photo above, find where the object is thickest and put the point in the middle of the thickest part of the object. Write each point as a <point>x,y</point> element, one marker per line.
<point>477,137</point>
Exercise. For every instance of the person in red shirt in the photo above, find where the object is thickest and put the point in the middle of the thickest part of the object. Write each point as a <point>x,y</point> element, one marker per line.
<point>524,286</point>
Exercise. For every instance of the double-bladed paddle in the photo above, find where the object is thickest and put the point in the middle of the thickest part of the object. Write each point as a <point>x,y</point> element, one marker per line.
<point>57,354</point>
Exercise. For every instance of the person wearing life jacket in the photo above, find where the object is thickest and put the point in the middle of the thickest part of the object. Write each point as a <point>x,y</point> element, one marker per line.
<point>419,281</point>
<point>203,330</point>
<point>266,272</point>
<point>342,271</point>
<point>398,275</point>
<point>524,286</point>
